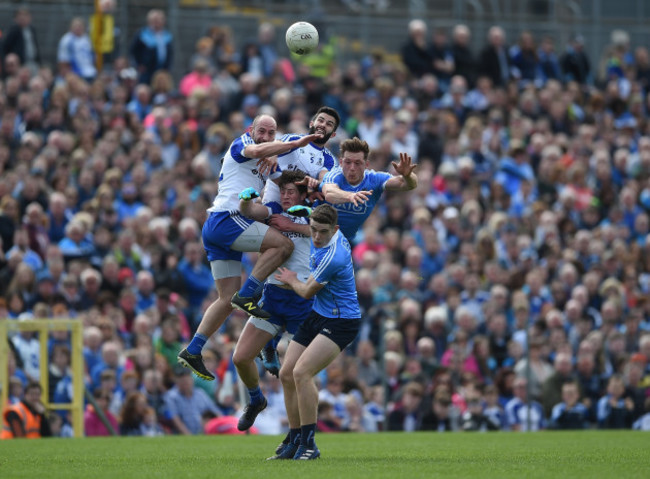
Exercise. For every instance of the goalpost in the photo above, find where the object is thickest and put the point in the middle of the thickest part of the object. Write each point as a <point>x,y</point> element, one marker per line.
<point>43,326</point>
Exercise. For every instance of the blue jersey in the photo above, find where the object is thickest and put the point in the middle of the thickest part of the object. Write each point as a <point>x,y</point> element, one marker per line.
<point>352,217</point>
<point>331,266</point>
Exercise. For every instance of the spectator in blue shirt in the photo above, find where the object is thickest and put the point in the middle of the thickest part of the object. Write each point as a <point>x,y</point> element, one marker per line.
<point>549,63</point>
<point>196,276</point>
<point>128,204</point>
<point>570,414</point>
<point>614,411</point>
<point>152,48</point>
<point>111,352</point>
<point>187,406</point>
<point>58,216</point>
<point>144,291</point>
<point>76,245</point>
<point>21,245</point>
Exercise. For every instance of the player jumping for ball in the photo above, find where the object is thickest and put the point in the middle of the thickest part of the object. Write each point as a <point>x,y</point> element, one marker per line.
<point>226,234</point>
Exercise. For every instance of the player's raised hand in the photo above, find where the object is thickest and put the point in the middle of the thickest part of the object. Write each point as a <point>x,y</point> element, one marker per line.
<point>248,194</point>
<point>266,166</point>
<point>311,183</point>
<point>360,197</point>
<point>405,166</point>
<point>300,211</point>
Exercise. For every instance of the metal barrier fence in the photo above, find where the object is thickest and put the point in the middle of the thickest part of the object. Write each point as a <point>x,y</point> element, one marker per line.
<point>360,24</point>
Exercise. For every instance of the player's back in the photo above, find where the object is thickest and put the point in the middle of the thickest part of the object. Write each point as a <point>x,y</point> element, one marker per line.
<point>237,173</point>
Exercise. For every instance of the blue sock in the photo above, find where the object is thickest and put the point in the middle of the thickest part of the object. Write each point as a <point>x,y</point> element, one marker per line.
<point>276,340</point>
<point>294,436</point>
<point>197,343</point>
<point>256,395</point>
<point>307,435</point>
<point>251,288</point>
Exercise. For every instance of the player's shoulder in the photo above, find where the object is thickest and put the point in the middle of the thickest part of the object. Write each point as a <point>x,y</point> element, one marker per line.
<point>374,174</point>
<point>376,178</point>
<point>241,142</point>
<point>327,154</point>
<point>291,137</point>
<point>245,139</point>
<point>335,172</point>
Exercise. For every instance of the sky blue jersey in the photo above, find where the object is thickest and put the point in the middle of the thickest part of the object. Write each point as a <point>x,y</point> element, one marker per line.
<point>331,266</point>
<point>352,217</point>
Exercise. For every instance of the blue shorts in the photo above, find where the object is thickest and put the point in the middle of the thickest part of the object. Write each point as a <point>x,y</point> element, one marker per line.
<point>220,231</point>
<point>286,308</point>
<point>340,330</point>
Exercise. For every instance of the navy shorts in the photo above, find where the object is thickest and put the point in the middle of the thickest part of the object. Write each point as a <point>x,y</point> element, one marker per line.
<point>340,330</point>
<point>286,308</point>
<point>220,231</point>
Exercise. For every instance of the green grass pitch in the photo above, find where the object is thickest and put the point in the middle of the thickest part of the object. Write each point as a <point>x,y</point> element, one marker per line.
<point>588,454</point>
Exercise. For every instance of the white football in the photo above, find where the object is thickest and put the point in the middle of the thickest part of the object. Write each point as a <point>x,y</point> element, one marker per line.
<point>302,38</point>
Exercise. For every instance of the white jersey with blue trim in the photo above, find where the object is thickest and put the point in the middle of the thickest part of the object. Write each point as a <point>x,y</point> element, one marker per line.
<point>237,173</point>
<point>299,259</point>
<point>311,159</point>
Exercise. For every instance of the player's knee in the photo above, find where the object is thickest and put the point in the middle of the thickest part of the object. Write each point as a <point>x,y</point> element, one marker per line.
<point>239,358</point>
<point>300,375</point>
<point>224,303</point>
<point>286,377</point>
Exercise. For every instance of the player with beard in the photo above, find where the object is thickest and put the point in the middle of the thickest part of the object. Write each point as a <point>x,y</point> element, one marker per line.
<point>313,158</point>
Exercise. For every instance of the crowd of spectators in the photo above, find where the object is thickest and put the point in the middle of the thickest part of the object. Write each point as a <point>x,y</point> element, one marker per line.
<point>510,291</point>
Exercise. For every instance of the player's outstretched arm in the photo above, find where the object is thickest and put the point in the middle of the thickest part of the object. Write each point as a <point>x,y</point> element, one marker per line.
<point>305,290</point>
<point>406,179</point>
<point>250,208</point>
<point>335,195</point>
<point>277,147</point>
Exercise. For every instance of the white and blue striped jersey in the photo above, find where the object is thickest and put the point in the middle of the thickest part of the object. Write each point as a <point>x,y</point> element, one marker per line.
<point>352,217</point>
<point>331,266</point>
<point>311,159</point>
<point>299,259</point>
<point>517,413</point>
<point>237,173</point>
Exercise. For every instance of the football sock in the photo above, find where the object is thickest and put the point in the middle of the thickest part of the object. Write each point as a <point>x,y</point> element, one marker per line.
<point>287,438</point>
<point>196,345</point>
<point>251,288</point>
<point>256,395</point>
<point>294,436</point>
<point>307,433</point>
